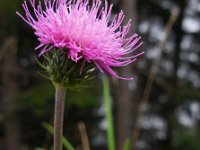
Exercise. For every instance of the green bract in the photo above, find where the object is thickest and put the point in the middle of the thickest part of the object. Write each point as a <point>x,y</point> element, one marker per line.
<point>59,69</point>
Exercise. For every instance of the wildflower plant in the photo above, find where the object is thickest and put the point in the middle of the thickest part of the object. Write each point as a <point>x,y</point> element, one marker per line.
<point>76,37</point>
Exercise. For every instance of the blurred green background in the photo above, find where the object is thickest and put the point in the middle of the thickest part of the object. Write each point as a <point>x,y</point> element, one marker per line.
<point>159,110</point>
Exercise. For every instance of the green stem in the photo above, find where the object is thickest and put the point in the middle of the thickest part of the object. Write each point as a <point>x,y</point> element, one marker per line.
<point>59,116</point>
<point>109,118</point>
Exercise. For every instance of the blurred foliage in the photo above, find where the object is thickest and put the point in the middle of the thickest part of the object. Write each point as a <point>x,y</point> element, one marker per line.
<point>33,99</point>
<point>9,6</point>
<point>185,138</point>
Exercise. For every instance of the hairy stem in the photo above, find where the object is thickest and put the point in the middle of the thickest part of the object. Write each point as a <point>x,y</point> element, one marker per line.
<point>59,116</point>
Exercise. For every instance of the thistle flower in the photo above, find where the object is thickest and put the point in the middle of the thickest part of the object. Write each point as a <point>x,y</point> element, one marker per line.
<point>85,32</point>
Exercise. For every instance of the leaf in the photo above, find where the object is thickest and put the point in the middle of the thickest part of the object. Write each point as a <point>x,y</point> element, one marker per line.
<point>127,145</point>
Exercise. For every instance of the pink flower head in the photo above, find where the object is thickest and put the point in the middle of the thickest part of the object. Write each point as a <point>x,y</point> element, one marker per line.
<point>84,31</point>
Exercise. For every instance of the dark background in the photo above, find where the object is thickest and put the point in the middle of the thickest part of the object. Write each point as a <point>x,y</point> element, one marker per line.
<point>165,94</point>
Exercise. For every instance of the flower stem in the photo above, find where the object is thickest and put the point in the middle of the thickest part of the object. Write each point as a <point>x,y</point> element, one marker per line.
<point>59,115</point>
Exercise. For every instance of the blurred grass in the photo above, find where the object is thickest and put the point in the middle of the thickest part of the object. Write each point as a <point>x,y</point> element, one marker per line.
<point>65,142</point>
<point>109,117</point>
<point>127,144</point>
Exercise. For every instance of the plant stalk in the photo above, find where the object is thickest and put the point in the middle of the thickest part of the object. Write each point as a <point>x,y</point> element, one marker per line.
<point>59,115</point>
<point>109,117</point>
